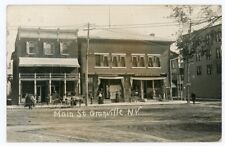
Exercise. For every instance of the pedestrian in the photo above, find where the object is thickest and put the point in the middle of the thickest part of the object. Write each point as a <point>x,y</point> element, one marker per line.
<point>100,98</point>
<point>117,96</point>
<point>193,97</point>
<point>72,102</point>
<point>48,99</point>
<point>28,101</point>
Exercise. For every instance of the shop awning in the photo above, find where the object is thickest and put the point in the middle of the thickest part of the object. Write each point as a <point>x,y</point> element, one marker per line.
<point>147,78</point>
<point>48,62</point>
<point>110,77</point>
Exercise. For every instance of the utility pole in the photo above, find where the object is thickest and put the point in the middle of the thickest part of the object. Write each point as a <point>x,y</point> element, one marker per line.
<point>87,55</point>
<point>188,67</point>
<point>109,17</point>
<point>86,75</point>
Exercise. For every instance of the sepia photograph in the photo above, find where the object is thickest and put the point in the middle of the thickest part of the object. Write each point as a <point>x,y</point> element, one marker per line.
<point>113,73</point>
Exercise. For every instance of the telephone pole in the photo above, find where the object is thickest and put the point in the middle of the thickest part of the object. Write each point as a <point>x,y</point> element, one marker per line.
<point>188,65</point>
<point>87,55</point>
<point>86,74</point>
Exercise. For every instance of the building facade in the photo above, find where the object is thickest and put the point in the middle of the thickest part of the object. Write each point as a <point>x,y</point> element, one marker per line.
<point>124,69</point>
<point>45,63</point>
<point>205,65</point>
<point>176,76</point>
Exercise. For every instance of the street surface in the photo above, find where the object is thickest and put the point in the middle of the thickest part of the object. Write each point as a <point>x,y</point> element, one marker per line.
<point>118,123</point>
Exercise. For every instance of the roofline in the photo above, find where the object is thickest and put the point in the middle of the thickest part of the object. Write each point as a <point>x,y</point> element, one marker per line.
<point>137,40</point>
<point>46,29</point>
<point>203,29</point>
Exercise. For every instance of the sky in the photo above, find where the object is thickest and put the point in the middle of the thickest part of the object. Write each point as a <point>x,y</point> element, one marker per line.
<point>72,17</point>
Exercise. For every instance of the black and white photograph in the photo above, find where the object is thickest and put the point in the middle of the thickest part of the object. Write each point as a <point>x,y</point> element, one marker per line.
<point>110,73</point>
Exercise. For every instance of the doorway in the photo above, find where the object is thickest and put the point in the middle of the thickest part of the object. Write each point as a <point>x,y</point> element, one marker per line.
<point>41,94</point>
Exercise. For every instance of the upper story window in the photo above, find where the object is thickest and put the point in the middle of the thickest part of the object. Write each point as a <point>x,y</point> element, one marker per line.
<point>31,47</point>
<point>65,47</point>
<point>218,36</point>
<point>198,56</point>
<point>102,60</point>
<point>138,60</point>
<point>209,69</point>
<point>173,64</point>
<point>199,70</point>
<point>49,48</point>
<point>118,60</point>
<point>208,54</point>
<point>208,37</point>
<point>154,60</point>
<point>218,53</point>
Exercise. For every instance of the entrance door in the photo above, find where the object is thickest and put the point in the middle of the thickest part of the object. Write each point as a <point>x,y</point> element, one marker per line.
<point>41,94</point>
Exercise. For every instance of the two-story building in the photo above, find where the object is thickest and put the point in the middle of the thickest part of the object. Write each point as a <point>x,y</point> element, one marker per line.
<point>127,68</point>
<point>45,62</point>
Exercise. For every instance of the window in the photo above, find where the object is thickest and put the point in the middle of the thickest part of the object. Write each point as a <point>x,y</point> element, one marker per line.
<point>49,48</point>
<point>208,54</point>
<point>218,36</point>
<point>31,47</point>
<point>138,60</point>
<point>142,61</point>
<point>199,70</point>
<point>102,60</point>
<point>150,62</point>
<point>154,61</point>
<point>173,64</point>
<point>98,60</point>
<point>64,47</point>
<point>208,37</point>
<point>218,68</point>
<point>134,61</point>
<point>122,61</point>
<point>105,61</point>
<point>198,56</point>
<point>218,53</point>
<point>209,69</point>
<point>118,60</point>
<point>115,61</point>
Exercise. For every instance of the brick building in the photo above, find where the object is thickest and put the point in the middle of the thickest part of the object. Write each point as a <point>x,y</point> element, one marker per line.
<point>45,62</point>
<point>125,69</point>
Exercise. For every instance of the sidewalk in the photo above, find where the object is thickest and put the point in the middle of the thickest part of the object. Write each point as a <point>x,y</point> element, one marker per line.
<point>150,102</point>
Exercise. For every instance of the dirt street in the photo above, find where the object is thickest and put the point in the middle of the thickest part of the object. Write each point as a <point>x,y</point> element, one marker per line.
<point>146,123</point>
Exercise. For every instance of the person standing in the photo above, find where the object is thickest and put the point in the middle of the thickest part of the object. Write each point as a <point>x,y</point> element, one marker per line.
<point>193,97</point>
<point>100,100</point>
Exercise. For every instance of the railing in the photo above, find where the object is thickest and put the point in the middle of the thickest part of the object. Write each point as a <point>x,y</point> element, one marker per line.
<point>48,75</point>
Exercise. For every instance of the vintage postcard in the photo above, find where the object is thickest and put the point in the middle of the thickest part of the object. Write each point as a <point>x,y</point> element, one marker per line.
<point>114,73</point>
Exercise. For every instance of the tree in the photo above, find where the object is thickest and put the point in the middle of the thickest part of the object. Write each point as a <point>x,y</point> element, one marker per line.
<point>188,16</point>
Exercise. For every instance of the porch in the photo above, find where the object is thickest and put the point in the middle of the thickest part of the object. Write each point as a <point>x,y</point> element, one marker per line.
<point>43,85</point>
